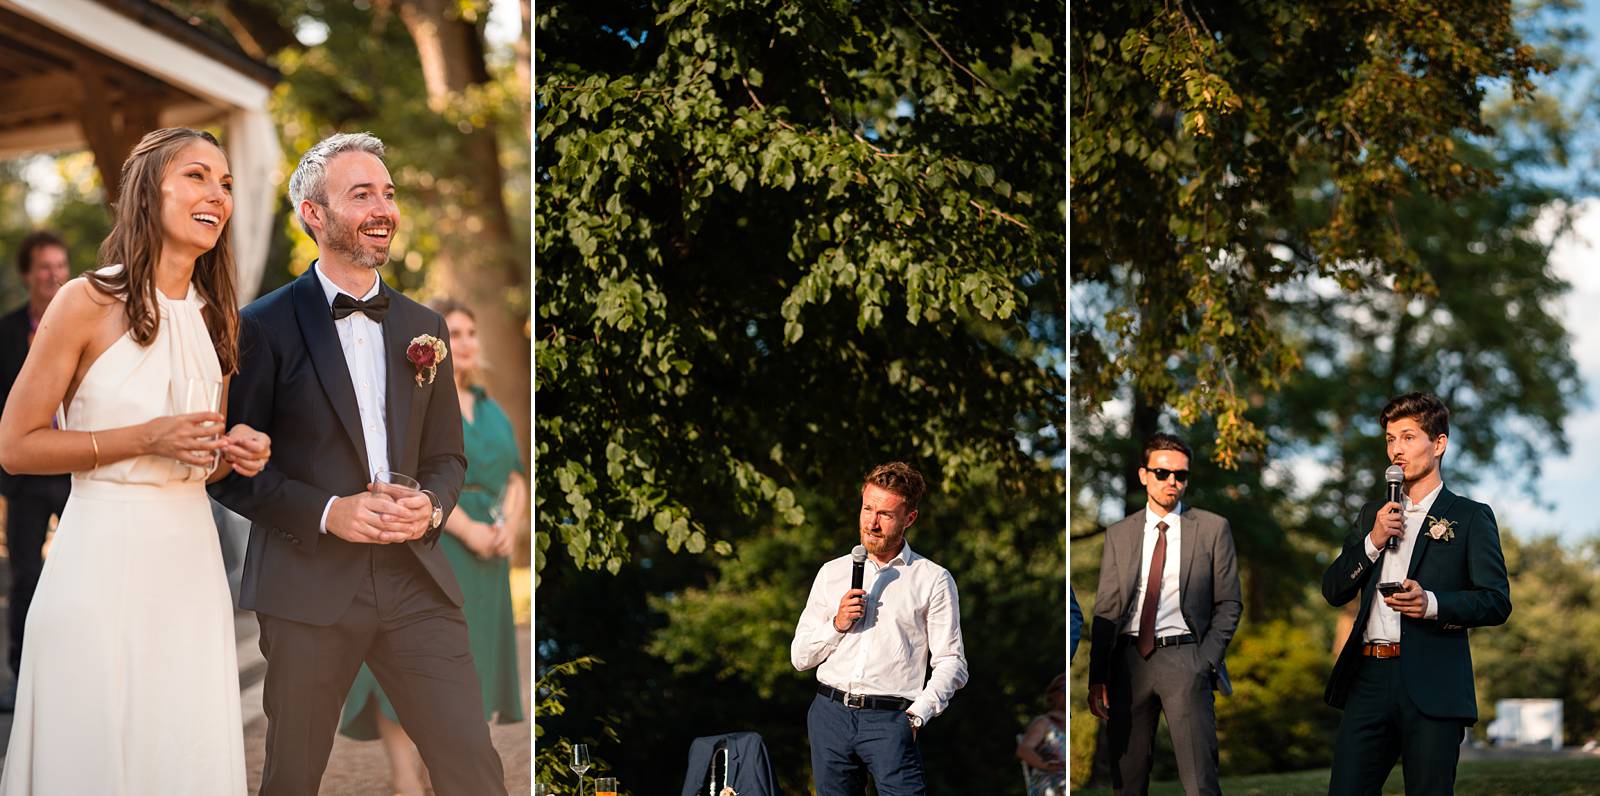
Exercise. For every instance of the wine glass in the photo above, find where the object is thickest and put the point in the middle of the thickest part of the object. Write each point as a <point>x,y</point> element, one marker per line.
<point>188,395</point>
<point>580,763</point>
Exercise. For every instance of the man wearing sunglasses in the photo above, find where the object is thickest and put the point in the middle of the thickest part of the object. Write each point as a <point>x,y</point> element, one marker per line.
<point>1167,605</point>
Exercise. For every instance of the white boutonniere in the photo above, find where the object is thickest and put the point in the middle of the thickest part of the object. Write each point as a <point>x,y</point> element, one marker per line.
<point>1441,529</point>
<point>425,352</point>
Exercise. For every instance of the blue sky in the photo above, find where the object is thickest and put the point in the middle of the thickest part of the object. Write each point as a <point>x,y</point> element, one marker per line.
<point>1562,506</point>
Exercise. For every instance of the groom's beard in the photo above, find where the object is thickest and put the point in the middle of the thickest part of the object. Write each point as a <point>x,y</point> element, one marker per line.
<point>344,239</point>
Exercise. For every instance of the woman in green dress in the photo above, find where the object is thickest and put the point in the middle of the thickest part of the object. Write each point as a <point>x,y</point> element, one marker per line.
<point>479,536</point>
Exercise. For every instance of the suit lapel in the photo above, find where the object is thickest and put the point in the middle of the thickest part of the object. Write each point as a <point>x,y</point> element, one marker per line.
<point>1130,563</point>
<point>1441,504</point>
<point>400,380</point>
<point>1189,527</point>
<point>322,341</point>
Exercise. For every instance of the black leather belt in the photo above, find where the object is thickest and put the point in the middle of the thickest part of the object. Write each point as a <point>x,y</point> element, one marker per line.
<point>1165,641</point>
<point>868,701</point>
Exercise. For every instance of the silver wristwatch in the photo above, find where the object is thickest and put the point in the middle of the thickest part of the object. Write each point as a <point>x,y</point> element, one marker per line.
<point>435,519</point>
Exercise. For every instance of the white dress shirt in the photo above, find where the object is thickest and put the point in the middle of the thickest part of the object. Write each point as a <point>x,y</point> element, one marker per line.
<point>1384,622</point>
<point>912,621</point>
<point>361,340</point>
<point>1169,605</point>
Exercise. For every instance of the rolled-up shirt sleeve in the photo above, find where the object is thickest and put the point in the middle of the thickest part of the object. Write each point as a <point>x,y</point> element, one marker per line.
<point>947,654</point>
<point>815,637</point>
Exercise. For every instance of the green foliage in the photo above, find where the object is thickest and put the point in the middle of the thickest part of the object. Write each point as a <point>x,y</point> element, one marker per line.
<point>758,221</point>
<point>1551,647</point>
<point>1223,153</point>
<point>1276,719</point>
<point>78,214</point>
<point>552,765</point>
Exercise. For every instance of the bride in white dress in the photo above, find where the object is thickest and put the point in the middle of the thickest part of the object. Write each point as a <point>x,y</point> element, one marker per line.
<point>129,683</point>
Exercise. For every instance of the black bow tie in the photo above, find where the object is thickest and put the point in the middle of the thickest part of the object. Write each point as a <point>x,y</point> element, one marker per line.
<point>374,308</point>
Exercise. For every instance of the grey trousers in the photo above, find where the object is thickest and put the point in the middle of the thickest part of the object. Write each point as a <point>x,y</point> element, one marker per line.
<point>1174,681</point>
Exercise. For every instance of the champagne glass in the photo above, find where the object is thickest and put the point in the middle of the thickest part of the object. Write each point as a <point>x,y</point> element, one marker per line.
<point>605,786</point>
<point>580,763</point>
<point>189,395</point>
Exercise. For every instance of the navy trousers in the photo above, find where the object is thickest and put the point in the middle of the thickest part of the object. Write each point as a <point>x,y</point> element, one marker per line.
<point>1381,723</point>
<point>848,744</point>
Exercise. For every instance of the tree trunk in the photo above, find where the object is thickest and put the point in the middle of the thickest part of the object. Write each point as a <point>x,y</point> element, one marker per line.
<point>1143,423</point>
<point>484,273</point>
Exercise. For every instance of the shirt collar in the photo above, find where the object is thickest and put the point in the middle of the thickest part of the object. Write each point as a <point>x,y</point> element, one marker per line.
<point>904,557</point>
<point>329,289</point>
<point>1172,518</point>
<point>1426,503</point>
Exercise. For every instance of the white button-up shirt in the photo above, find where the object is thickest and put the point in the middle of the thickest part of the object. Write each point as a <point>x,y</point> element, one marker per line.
<point>361,340</point>
<point>1384,622</point>
<point>1169,605</point>
<point>912,622</point>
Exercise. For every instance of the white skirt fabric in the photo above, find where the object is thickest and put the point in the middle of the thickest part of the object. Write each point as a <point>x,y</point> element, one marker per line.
<point>130,679</point>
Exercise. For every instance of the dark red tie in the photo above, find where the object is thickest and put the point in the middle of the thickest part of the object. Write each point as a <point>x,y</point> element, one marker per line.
<point>1152,593</point>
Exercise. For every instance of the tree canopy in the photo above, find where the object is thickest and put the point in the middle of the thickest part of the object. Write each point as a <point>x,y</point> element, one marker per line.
<point>1448,289</point>
<point>778,244</point>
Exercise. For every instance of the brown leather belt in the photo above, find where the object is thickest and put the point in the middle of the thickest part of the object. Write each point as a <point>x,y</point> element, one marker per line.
<point>1381,649</point>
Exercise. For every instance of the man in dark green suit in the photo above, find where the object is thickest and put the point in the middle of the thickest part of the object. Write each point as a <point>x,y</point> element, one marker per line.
<point>1404,677</point>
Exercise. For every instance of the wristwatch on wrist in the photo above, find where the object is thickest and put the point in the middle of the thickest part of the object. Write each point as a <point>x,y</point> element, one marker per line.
<point>437,517</point>
<point>916,721</point>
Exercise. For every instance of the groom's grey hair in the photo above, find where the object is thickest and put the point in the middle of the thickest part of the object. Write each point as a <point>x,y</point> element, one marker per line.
<point>310,178</point>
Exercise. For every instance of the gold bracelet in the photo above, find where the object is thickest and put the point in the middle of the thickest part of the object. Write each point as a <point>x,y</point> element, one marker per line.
<point>96,444</point>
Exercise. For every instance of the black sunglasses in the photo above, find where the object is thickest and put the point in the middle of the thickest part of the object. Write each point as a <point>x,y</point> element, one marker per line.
<point>1161,474</point>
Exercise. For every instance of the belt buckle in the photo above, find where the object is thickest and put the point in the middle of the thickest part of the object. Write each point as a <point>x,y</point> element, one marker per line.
<point>855,701</point>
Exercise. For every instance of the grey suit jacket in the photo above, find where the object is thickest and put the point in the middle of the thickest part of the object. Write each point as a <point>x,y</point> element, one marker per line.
<point>1208,589</point>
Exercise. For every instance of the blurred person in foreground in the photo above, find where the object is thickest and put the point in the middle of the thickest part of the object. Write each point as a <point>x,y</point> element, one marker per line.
<point>479,538</point>
<point>31,500</point>
<point>1404,676</point>
<point>1044,744</point>
<point>1167,606</point>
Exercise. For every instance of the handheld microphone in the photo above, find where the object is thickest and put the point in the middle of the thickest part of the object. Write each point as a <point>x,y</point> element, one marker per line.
<point>1394,476</point>
<point>858,561</point>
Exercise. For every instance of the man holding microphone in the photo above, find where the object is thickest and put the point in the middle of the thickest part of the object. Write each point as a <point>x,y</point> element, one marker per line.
<point>872,645</point>
<point>1426,568</point>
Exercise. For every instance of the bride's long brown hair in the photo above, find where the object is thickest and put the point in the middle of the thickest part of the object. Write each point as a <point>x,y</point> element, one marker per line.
<point>135,242</point>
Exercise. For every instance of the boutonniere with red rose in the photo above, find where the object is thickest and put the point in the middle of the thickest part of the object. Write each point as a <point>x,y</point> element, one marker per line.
<point>1441,529</point>
<point>425,352</point>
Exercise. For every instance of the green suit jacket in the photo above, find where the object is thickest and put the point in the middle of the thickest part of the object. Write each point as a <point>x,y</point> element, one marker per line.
<point>1467,575</point>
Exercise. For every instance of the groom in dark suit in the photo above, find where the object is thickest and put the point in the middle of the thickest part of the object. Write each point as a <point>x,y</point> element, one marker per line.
<point>1404,677</point>
<point>341,570</point>
<point>1167,606</point>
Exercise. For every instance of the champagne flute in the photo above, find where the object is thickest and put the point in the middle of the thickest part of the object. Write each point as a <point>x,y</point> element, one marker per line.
<point>580,763</point>
<point>189,395</point>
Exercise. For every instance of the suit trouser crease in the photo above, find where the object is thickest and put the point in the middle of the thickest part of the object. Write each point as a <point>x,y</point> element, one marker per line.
<point>415,641</point>
<point>848,744</point>
<point>1174,681</point>
<point>1381,723</point>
